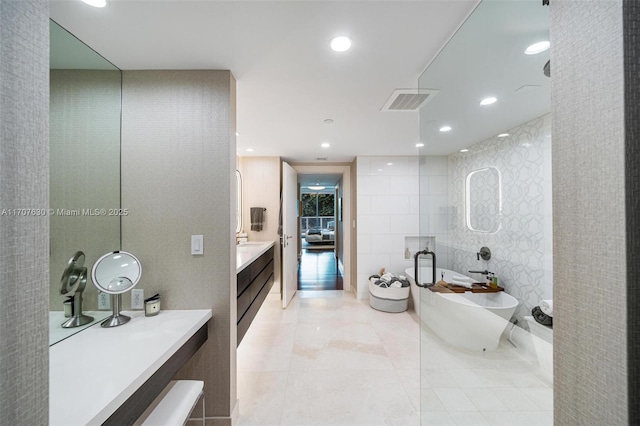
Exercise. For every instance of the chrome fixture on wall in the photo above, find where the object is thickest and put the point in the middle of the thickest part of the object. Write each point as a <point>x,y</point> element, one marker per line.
<point>484,253</point>
<point>547,68</point>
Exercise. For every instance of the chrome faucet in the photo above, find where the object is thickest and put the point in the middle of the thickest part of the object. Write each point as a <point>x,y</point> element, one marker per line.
<point>433,268</point>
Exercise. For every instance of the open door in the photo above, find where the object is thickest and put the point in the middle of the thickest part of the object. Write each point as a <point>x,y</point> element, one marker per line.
<point>289,233</point>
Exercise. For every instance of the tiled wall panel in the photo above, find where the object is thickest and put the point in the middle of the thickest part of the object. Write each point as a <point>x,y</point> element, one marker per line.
<point>387,189</point>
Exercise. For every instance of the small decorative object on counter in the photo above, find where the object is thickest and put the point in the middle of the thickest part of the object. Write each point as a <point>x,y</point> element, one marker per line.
<point>152,305</point>
<point>492,280</point>
<point>68,307</point>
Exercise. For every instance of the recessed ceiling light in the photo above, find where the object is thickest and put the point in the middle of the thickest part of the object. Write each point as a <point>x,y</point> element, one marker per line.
<point>379,170</point>
<point>328,120</point>
<point>389,164</point>
<point>419,145</point>
<point>536,48</point>
<point>325,144</point>
<point>341,43</point>
<point>445,128</point>
<point>249,149</point>
<point>96,3</point>
<point>503,135</point>
<point>488,101</point>
<point>464,150</point>
<point>316,188</point>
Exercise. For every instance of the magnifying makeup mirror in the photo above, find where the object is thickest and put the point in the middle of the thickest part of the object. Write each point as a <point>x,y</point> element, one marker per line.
<point>72,284</point>
<point>116,273</point>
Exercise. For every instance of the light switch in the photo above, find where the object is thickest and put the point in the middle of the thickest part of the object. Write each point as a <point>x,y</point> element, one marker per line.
<point>197,243</point>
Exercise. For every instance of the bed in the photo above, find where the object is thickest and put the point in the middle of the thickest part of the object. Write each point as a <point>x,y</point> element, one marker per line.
<point>327,235</point>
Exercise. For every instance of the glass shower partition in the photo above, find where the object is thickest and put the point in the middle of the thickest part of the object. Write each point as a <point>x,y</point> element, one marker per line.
<point>485,212</point>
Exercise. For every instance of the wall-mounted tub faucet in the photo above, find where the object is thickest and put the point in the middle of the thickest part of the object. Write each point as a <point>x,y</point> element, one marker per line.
<point>484,253</point>
<point>433,268</point>
<point>485,272</point>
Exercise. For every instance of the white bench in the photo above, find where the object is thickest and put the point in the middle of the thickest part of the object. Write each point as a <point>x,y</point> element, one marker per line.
<point>174,404</point>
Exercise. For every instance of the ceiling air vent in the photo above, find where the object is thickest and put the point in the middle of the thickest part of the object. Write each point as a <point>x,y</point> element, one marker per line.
<point>321,158</point>
<point>408,99</point>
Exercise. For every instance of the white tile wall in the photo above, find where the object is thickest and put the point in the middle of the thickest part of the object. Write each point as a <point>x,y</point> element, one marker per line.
<point>434,204</point>
<point>388,211</point>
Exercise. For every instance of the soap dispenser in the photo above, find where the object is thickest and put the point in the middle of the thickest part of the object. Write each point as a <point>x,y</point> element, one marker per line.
<point>492,280</point>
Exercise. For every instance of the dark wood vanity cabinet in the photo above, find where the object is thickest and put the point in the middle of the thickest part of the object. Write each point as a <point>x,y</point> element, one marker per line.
<point>254,283</point>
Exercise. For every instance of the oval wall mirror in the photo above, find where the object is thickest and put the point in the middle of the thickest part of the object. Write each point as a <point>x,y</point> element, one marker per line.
<point>116,273</point>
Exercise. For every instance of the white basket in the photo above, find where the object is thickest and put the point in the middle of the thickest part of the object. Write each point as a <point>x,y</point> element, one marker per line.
<point>390,299</point>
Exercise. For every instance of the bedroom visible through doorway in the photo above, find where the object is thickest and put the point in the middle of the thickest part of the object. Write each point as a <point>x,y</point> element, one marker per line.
<point>318,267</point>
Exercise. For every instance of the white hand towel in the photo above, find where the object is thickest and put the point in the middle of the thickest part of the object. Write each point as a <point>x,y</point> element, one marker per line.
<point>387,277</point>
<point>461,278</point>
<point>546,306</point>
<point>466,284</point>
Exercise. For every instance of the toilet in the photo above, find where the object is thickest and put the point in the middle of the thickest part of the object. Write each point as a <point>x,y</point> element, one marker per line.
<point>543,342</point>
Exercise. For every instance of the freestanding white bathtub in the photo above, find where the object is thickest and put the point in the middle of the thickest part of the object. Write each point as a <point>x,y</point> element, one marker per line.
<point>473,321</point>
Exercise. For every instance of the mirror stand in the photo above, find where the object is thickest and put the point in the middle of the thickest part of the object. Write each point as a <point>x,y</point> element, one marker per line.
<point>116,273</point>
<point>78,319</point>
<point>116,318</point>
<point>72,285</point>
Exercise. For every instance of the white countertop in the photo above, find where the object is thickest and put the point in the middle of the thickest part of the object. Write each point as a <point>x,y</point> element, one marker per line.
<point>92,373</point>
<point>250,251</point>
<point>56,318</point>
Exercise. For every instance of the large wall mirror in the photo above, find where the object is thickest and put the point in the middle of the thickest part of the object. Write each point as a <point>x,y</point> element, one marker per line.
<point>85,106</point>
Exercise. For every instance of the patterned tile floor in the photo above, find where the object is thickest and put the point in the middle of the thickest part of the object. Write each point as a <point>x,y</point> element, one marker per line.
<point>330,359</point>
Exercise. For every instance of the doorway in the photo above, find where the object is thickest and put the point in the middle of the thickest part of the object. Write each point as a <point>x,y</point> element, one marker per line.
<point>318,270</point>
<point>321,231</point>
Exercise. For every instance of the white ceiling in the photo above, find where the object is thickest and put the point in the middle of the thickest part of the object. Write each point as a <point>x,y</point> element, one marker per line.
<point>288,80</point>
<point>328,180</point>
<point>486,58</point>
